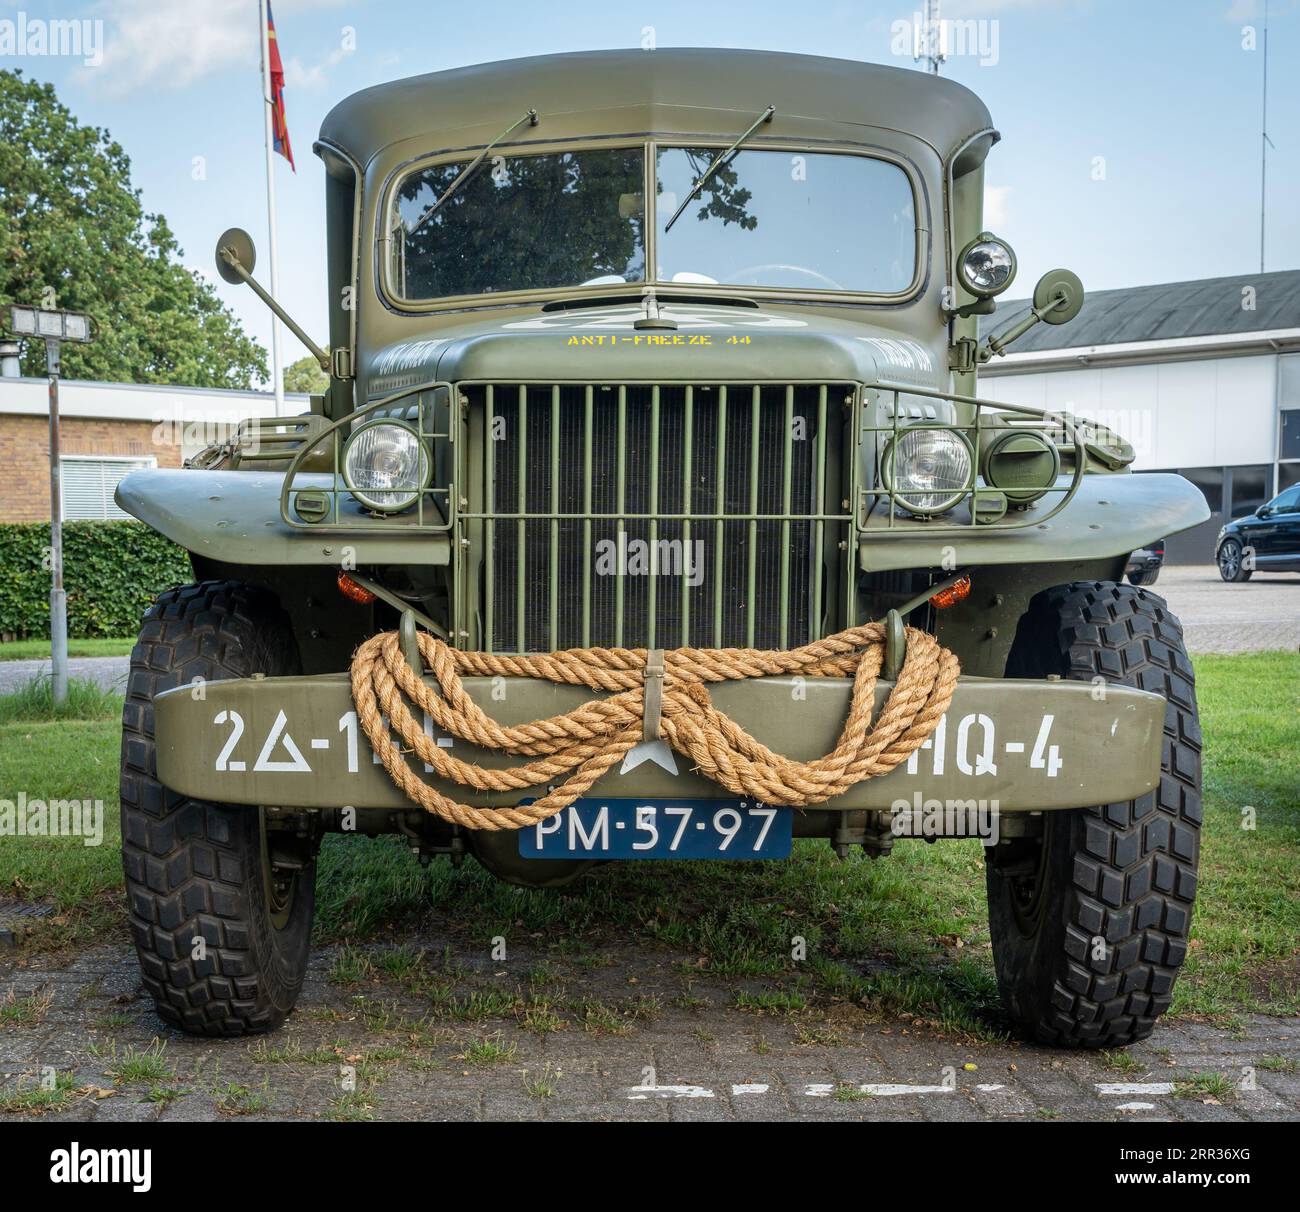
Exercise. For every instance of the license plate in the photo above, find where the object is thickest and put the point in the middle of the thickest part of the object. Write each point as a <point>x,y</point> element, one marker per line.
<point>661,829</point>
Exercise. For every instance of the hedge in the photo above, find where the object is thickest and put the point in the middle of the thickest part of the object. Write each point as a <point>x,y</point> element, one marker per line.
<point>111,571</point>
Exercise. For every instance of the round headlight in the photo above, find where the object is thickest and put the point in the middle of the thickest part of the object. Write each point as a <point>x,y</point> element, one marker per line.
<point>385,466</point>
<point>986,266</point>
<point>929,469</point>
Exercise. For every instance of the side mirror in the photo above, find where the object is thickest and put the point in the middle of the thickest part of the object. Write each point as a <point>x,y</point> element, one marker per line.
<point>1264,511</point>
<point>235,247</point>
<point>236,258</point>
<point>1058,298</point>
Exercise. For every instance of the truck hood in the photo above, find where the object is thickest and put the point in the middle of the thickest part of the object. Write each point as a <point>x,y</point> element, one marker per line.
<point>712,342</point>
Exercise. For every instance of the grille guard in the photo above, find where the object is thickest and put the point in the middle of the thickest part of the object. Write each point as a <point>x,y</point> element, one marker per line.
<point>901,523</point>
<point>457,422</point>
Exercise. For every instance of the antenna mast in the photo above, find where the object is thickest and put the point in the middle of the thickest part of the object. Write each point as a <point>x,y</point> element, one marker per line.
<point>929,42</point>
<point>1264,144</point>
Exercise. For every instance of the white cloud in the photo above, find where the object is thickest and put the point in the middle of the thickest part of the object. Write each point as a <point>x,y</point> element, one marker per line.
<point>1242,10</point>
<point>174,44</point>
<point>170,46</point>
<point>316,76</point>
<point>996,211</point>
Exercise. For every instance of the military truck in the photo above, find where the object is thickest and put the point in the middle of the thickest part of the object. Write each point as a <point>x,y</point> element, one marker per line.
<point>662,352</point>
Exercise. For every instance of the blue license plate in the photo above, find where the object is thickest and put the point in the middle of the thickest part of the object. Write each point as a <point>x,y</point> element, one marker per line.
<point>661,829</point>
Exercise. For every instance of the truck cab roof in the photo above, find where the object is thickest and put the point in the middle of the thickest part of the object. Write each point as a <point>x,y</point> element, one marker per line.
<point>697,91</point>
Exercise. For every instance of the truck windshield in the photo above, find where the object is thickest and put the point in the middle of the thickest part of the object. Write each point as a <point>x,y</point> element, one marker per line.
<point>803,220</point>
<point>810,221</point>
<point>520,223</point>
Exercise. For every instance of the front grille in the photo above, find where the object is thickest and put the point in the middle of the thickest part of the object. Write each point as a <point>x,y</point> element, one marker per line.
<point>657,515</point>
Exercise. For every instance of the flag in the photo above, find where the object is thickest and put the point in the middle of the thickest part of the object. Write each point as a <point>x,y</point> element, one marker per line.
<point>279,129</point>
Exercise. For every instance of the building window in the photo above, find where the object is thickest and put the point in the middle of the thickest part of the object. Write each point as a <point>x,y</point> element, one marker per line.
<point>1250,488</point>
<point>1290,442</point>
<point>1210,481</point>
<point>89,482</point>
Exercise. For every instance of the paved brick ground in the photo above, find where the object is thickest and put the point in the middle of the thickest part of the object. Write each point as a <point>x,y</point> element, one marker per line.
<point>1262,613</point>
<point>682,1050</point>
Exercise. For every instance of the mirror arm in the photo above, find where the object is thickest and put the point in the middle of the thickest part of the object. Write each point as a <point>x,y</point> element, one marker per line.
<point>998,342</point>
<point>316,351</point>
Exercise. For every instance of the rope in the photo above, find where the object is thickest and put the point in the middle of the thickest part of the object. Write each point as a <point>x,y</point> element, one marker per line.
<point>580,745</point>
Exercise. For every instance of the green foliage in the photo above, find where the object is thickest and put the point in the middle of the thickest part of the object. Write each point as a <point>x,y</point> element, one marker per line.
<point>111,571</point>
<point>306,375</point>
<point>74,235</point>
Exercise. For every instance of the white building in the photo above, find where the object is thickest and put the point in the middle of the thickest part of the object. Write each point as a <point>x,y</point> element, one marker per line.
<point>1202,377</point>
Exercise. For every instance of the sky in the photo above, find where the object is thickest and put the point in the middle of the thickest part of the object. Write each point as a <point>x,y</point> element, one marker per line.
<point>1131,128</point>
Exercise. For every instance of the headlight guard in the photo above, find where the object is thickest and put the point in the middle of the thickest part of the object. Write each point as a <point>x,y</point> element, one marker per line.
<point>385,465</point>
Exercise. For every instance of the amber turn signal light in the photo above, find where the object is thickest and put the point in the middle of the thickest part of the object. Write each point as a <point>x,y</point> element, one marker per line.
<point>958,591</point>
<point>350,589</point>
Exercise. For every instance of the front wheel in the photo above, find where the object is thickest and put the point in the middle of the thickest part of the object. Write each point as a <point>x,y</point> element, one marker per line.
<point>220,905</point>
<point>1090,917</point>
<point>1232,562</point>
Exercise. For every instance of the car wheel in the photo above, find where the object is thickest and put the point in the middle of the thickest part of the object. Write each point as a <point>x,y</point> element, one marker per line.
<point>1232,563</point>
<point>220,927</point>
<point>1089,917</point>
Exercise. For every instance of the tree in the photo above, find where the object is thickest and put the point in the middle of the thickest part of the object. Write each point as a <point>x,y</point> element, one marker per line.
<point>75,236</point>
<point>306,375</point>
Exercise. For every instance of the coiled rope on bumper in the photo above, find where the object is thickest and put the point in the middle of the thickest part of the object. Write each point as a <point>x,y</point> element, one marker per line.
<point>581,745</point>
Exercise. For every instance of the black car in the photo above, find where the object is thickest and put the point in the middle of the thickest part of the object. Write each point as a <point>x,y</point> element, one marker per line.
<point>1144,564</point>
<point>1267,540</point>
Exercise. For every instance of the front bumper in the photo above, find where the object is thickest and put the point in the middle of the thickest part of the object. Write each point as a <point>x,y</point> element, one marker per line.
<point>1018,745</point>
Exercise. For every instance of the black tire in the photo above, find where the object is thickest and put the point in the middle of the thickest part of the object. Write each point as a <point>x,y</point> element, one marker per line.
<point>195,869</point>
<point>1232,563</point>
<point>1090,921</point>
<point>1144,579</point>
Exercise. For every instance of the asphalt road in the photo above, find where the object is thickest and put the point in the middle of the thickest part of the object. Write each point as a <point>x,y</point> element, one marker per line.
<point>108,672</point>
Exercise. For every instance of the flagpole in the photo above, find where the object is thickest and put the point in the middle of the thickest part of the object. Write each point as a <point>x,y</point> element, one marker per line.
<point>277,367</point>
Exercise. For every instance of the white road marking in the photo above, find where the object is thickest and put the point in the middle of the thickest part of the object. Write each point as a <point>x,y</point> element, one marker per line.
<point>320,742</point>
<point>1136,1107</point>
<point>750,1088</point>
<point>1105,1088</point>
<point>641,1093</point>
<point>1015,746</point>
<point>879,1089</point>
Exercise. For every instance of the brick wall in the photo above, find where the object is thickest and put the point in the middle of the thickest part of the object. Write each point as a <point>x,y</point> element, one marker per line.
<point>25,456</point>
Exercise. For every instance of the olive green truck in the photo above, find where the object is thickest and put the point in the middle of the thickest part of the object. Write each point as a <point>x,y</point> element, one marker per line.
<point>664,362</point>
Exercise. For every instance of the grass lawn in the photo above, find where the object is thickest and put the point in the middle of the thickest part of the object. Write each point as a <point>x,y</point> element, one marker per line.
<point>906,933</point>
<point>36,650</point>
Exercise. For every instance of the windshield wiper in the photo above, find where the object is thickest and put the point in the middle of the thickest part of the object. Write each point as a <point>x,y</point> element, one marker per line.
<point>530,117</point>
<point>765,116</point>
